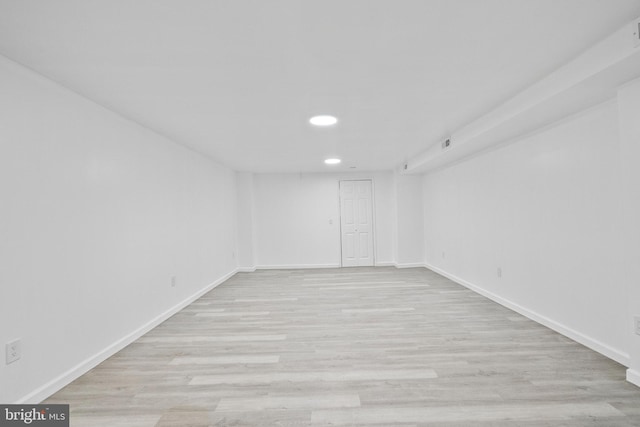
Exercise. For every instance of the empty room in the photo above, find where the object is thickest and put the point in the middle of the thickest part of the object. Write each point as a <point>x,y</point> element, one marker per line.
<point>314,213</point>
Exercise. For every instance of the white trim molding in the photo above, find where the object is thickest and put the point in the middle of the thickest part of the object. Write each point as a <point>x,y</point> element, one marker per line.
<point>409,265</point>
<point>633,377</point>
<point>295,266</point>
<point>385,264</point>
<point>595,345</point>
<point>82,368</point>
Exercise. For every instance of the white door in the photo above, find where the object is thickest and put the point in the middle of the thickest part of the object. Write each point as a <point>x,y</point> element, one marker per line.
<point>356,223</point>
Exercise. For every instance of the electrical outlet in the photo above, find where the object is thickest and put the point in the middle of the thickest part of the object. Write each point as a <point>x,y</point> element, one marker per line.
<point>14,351</point>
<point>173,281</point>
<point>636,324</point>
<point>499,272</point>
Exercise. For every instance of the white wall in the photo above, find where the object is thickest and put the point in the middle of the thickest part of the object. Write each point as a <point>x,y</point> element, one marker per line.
<point>244,185</point>
<point>410,221</point>
<point>546,210</point>
<point>293,214</point>
<point>629,110</point>
<point>97,215</point>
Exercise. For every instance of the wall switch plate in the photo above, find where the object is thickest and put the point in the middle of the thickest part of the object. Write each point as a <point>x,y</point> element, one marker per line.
<point>14,351</point>
<point>173,281</point>
<point>499,272</point>
<point>635,30</point>
<point>443,254</point>
<point>636,325</point>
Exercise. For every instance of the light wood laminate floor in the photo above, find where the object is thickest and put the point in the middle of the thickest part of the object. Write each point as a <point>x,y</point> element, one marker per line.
<point>360,346</point>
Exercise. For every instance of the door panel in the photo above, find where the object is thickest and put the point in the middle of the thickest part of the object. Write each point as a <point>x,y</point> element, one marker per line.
<point>349,252</point>
<point>363,212</point>
<point>364,245</point>
<point>356,223</point>
<point>348,212</point>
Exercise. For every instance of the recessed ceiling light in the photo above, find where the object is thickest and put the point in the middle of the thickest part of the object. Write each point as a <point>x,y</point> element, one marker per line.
<point>332,161</point>
<point>323,120</point>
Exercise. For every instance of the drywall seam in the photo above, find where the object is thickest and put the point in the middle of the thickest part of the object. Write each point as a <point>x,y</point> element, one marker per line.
<point>595,345</point>
<point>82,368</point>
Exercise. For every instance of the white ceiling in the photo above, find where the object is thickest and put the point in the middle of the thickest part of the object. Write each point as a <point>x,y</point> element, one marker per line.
<point>237,80</point>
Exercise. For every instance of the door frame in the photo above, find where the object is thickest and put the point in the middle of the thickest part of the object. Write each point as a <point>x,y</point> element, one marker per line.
<point>373,217</point>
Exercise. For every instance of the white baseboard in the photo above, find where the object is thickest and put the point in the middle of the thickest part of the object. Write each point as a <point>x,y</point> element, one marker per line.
<point>311,266</point>
<point>85,366</point>
<point>409,265</point>
<point>295,266</point>
<point>593,344</point>
<point>633,377</point>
